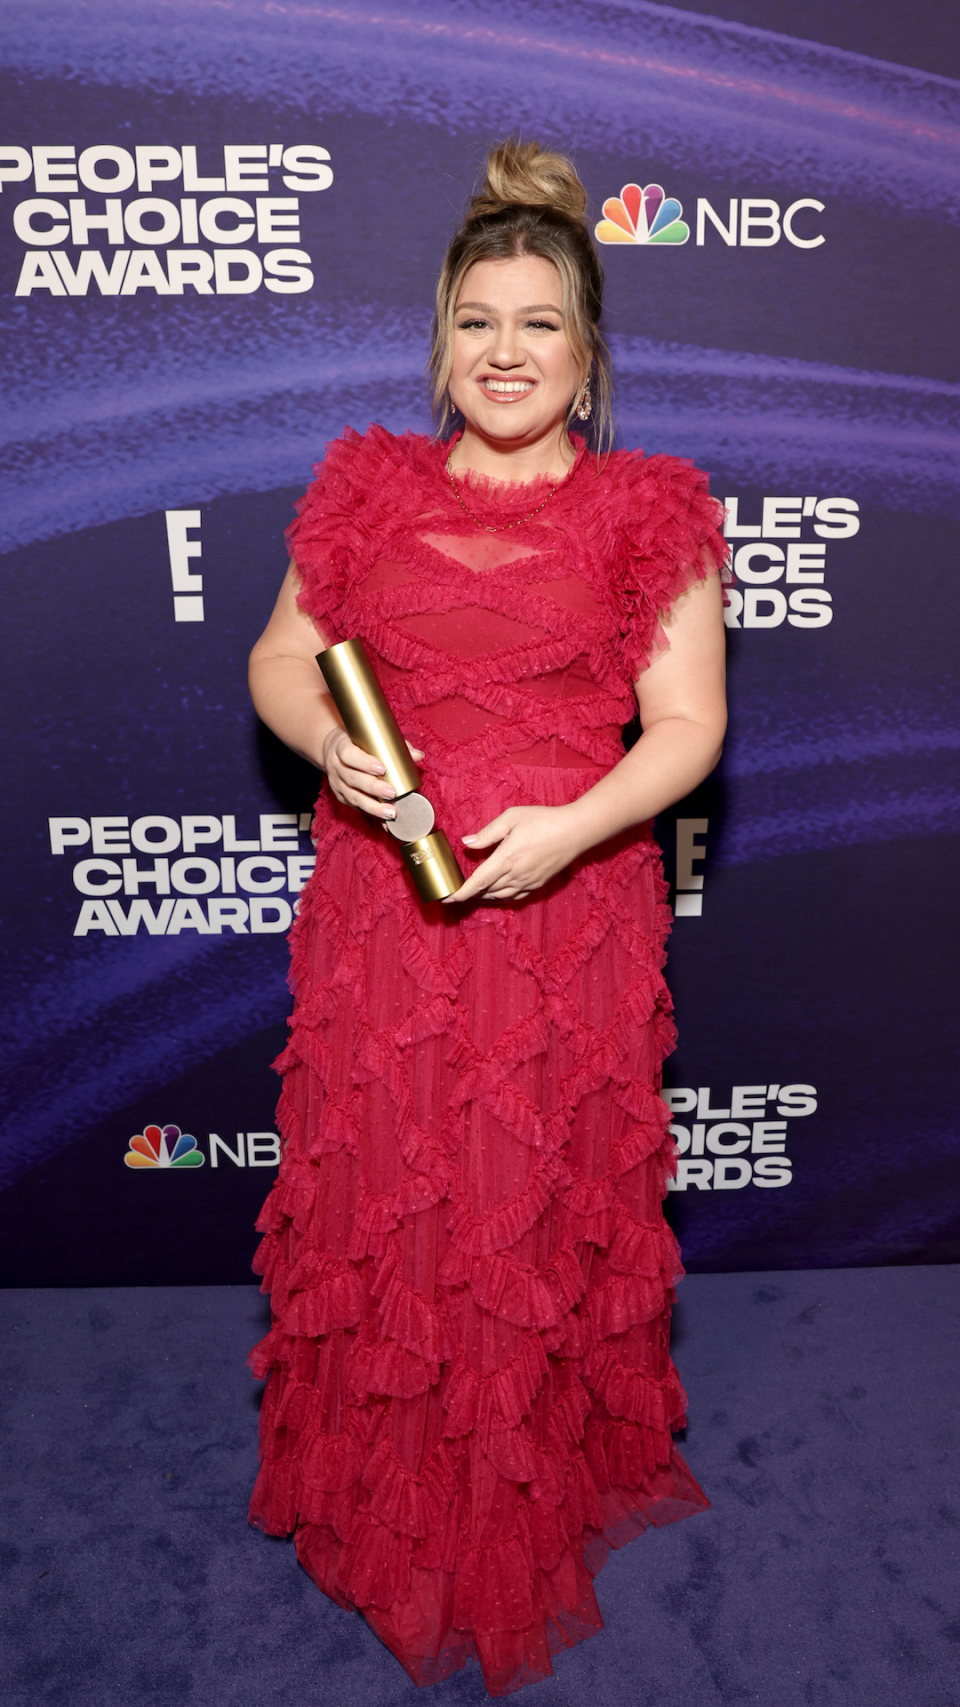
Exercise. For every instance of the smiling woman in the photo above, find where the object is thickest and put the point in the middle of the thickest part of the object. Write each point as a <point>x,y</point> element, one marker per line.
<point>511,353</point>
<point>560,319</point>
<point>470,1394</point>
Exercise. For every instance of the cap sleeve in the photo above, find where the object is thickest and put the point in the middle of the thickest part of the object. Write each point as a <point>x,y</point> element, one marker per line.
<point>341,519</point>
<point>667,535</point>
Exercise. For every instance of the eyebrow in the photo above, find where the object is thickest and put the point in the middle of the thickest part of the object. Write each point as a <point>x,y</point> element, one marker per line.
<point>488,308</point>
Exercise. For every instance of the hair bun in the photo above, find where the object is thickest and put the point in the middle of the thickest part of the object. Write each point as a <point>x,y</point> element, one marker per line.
<point>522,174</point>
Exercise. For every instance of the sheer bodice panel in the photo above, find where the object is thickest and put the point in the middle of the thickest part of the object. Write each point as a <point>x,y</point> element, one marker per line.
<point>496,666</point>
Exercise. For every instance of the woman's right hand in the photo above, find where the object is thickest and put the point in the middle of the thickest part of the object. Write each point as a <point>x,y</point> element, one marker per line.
<point>355,778</point>
<point>289,693</point>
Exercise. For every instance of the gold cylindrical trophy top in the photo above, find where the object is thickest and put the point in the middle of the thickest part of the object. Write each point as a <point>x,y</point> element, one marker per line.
<point>367,717</point>
<point>432,865</point>
<point>370,724</point>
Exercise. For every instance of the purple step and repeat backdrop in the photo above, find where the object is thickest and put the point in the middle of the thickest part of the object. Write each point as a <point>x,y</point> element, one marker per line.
<point>219,229</point>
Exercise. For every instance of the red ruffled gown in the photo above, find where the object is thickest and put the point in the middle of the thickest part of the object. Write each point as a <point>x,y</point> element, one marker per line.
<point>470,1395</point>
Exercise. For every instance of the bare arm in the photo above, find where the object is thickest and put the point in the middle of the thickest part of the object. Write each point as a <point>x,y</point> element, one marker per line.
<point>683,713</point>
<point>289,694</point>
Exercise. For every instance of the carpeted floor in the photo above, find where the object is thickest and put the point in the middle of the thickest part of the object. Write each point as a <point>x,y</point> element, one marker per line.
<point>823,1426</point>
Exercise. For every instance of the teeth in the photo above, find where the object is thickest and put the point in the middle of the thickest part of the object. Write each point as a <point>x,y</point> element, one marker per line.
<point>509,384</point>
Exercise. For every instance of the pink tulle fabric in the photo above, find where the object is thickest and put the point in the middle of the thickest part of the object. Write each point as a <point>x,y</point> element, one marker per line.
<point>470,1394</point>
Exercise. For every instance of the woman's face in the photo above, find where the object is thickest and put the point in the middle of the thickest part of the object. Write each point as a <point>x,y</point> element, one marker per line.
<point>513,373</point>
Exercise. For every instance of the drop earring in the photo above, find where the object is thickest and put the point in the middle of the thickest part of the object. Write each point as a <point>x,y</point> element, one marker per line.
<point>585,405</point>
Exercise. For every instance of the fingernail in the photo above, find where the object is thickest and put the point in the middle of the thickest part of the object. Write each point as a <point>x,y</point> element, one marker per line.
<point>470,838</point>
<point>389,812</point>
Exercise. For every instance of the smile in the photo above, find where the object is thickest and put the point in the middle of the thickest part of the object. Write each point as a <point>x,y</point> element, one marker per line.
<point>509,389</point>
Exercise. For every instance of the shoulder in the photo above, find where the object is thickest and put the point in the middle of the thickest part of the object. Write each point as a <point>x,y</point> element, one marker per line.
<point>646,492</point>
<point>659,530</point>
<point>656,509</point>
<point>376,449</point>
<point>365,482</point>
<point>363,470</point>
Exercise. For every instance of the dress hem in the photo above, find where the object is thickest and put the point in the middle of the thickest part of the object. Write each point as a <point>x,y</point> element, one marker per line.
<point>511,1659</point>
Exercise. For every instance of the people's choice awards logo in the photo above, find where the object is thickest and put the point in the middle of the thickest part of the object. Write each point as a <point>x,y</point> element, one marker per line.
<point>164,1147</point>
<point>755,602</point>
<point>639,215</point>
<point>238,895</point>
<point>725,1149</point>
<point>80,228</point>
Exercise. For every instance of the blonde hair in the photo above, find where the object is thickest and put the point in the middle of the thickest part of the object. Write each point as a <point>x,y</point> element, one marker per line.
<point>532,203</point>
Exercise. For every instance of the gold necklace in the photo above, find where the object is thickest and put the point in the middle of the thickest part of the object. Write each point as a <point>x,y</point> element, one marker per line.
<point>503,525</point>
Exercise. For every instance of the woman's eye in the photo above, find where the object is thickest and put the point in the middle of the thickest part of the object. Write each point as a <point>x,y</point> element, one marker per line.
<point>543,326</point>
<point>472,325</point>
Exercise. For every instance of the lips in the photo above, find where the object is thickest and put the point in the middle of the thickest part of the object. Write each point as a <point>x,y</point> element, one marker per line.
<point>506,390</point>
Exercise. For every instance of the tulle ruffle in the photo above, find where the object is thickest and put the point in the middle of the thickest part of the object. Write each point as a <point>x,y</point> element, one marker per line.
<point>652,527</point>
<point>470,1394</point>
<point>531,1363</point>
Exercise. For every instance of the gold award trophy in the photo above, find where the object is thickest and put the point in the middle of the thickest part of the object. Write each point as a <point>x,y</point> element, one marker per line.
<point>371,725</point>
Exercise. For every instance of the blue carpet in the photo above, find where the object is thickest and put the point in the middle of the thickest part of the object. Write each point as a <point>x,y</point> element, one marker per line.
<point>823,1426</point>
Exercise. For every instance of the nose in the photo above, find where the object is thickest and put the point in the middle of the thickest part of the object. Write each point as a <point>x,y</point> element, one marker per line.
<point>505,351</point>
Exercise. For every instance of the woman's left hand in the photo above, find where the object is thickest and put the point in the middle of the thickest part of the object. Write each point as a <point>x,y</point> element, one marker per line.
<point>535,842</point>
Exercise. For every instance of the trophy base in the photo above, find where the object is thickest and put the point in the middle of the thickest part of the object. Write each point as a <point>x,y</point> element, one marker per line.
<point>415,818</point>
<point>431,863</point>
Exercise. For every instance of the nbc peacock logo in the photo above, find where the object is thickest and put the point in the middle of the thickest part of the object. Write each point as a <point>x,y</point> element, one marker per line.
<point>640,215</point>
<point>163,1147</point>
